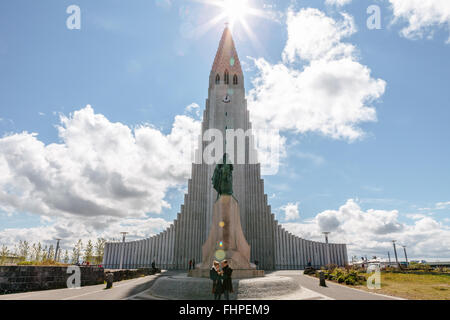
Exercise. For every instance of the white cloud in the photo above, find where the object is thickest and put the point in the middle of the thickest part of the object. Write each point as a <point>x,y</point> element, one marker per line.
<point>70,230</point>
<point>442,205</point>
<point>437,206</point>
<point>330,95</point>
<point>6,123</point>
<point>371,232</point>
<point>422,16</point>
<point>416,216</point>
<point>312,36</point>
<point>338,2</point>
<point>291,211</point>
<point>100,169</point>
<point>193,109</point>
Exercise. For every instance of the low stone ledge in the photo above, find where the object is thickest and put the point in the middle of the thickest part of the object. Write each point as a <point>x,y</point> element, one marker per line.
<point>237,273</point>
<point>126,274</point>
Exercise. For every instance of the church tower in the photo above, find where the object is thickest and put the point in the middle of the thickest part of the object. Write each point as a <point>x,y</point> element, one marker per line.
<point>226,109</point>
<point>271,246</point>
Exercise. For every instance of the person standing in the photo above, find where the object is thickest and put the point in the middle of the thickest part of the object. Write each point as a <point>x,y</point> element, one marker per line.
<point>190,264</point>
<point>216,276</point>
<point>193,264</point>
<point>227,280</point>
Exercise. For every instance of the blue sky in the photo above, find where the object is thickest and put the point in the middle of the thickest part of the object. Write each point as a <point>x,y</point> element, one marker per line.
<point>142,62</point>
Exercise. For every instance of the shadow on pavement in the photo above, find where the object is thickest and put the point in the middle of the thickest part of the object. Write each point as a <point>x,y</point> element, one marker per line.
<point>148,284</point>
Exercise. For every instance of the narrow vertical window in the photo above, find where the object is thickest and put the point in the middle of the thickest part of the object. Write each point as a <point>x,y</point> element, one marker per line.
<point>226,78</point>
<point>217,79</point>
<point>235,80</point>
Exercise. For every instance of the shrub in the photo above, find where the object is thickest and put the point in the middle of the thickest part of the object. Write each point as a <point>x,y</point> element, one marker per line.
<point>331,267</point>
<point>338,272</point>
<point>352,278</point>
<point>40,263</point>
<point>349,276</point>
<point>309,270</point>
<point>350,281</point>
<point>419,267</point>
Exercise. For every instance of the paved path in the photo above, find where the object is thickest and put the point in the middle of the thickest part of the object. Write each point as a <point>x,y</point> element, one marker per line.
<point>121,290</point>
<point>137,289</point>
<point>310,290</point>
<point>333,290</point>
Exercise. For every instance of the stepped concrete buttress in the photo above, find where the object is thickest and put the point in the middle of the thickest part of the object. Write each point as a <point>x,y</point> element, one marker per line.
<point>226,241</point>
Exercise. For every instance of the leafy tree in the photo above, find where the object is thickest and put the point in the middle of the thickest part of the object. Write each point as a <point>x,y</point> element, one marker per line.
<point>4,252</point>
<point>51,253</point>
<point>66,257</point>
<point>24,250</point>
<point>76,252</point>
<point>15,251</point>
<point>89,252</point>
<point>44,253</point>
<point>99,250</point>
<point>37,251</point>
<point>74,255</point>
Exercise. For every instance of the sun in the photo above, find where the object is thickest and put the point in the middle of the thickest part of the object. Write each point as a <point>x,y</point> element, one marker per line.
<point>234,13</point>
<point>235,10</point>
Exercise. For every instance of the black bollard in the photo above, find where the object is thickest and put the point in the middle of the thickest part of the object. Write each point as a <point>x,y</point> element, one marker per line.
<point>109,280</point>
<point>322,279</point>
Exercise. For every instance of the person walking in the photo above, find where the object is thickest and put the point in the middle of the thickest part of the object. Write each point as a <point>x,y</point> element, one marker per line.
<point>227,280</point>
<point>216,276</point>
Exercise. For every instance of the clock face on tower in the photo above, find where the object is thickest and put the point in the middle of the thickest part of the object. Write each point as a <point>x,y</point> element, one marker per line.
<point>227,99</point>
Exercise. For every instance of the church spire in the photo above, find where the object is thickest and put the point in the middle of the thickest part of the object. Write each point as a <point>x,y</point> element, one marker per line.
<point>227,58</point>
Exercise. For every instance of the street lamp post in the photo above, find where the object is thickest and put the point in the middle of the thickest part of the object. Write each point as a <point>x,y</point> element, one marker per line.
<point>57,249</point>
<point>123,249</point>
<point>395,252</point>
<point>326,233</point>
<point>406,256</point>
<point>312,258</point>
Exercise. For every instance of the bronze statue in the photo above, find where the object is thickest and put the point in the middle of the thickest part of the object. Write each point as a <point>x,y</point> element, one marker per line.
<point>222,178</point>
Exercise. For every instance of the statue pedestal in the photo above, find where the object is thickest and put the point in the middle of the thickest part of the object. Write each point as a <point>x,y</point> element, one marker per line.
<point>226,240</point>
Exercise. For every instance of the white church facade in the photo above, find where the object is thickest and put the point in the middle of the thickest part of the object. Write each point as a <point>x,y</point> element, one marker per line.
<point>271,246</point>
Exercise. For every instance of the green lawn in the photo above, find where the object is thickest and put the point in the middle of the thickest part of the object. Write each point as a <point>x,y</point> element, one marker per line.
<point>414,286</point>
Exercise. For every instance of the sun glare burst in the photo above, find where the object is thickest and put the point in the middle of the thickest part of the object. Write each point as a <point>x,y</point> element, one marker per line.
<point>235,10</point>
<point>234,13</point>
